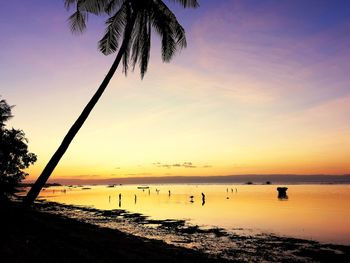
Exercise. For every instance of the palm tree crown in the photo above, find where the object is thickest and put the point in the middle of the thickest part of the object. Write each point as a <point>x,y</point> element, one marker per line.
<point>142,16</point>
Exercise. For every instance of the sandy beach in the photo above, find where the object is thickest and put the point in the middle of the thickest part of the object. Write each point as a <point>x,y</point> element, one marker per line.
<point>37,235</point>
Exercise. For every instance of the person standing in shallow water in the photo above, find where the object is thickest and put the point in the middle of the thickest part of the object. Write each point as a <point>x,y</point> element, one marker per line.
<point>203,199</point>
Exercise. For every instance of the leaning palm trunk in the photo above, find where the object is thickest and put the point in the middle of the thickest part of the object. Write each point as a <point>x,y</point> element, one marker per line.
<point>130,20</point>
<point>44,176</point>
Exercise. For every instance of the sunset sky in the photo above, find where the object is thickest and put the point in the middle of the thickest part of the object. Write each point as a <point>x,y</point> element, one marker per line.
<point>263,87</point>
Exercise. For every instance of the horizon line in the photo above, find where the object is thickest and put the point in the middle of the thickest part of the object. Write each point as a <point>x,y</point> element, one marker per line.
<point>241,178</point>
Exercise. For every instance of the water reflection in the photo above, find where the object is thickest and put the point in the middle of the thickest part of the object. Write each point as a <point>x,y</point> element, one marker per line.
<point>319,212</point>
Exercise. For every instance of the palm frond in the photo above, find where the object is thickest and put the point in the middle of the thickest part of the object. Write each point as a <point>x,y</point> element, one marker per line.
<point>186,3</point>
<point>115,25</point>
<point>179,31</point>
<point>171,32</point>
<point>141,42</point>
<point>136,40</point>
<point>180,36</point>
<point>146,48</point>
<point>77,21</point>
<point>69,3</point>
<point>130,15</point>
<point>112,6</point>
<point>93,6</point>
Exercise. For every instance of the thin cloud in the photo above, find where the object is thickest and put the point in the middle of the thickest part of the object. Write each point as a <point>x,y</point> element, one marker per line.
<point>177,165</point>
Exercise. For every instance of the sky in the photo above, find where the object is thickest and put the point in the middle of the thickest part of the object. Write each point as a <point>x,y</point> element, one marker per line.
<point>262,88</point>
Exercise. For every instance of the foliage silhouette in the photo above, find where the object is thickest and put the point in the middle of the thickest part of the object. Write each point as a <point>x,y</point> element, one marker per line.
<point>14,155</point>
<point>128,27</point>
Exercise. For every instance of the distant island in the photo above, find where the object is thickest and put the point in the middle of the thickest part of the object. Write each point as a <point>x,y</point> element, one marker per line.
<point>28,184</point>
<point>234,179</point>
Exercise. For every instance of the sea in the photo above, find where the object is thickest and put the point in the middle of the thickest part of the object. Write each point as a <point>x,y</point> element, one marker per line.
<point>318,212</point>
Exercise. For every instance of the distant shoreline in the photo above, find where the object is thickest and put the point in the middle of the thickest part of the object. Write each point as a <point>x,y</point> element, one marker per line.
<point>255,179</point>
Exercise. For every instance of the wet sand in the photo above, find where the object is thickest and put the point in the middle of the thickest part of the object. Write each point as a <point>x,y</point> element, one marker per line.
<point>50,234</point>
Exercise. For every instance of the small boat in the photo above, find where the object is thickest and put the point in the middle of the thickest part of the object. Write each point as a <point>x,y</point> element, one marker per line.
<point>143,187</point>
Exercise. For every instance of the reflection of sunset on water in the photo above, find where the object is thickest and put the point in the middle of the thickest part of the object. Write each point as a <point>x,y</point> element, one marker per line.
<point>317,212</point>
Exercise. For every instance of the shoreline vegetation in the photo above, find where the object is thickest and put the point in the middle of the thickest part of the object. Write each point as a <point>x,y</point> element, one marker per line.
<point>52,232</point>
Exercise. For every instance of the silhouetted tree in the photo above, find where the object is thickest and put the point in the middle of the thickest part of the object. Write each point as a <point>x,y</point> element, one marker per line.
<point>128,27</point>
<point>5,112</point>
<point>14,155</point>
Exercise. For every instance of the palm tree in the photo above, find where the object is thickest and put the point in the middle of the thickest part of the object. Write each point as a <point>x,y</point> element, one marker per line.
<point>130,22</point>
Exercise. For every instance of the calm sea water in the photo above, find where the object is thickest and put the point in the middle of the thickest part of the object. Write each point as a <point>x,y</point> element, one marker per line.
<point>317,212</point>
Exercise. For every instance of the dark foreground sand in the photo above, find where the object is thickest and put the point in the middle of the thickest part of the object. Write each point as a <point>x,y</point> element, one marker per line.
<point>34,236</point>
